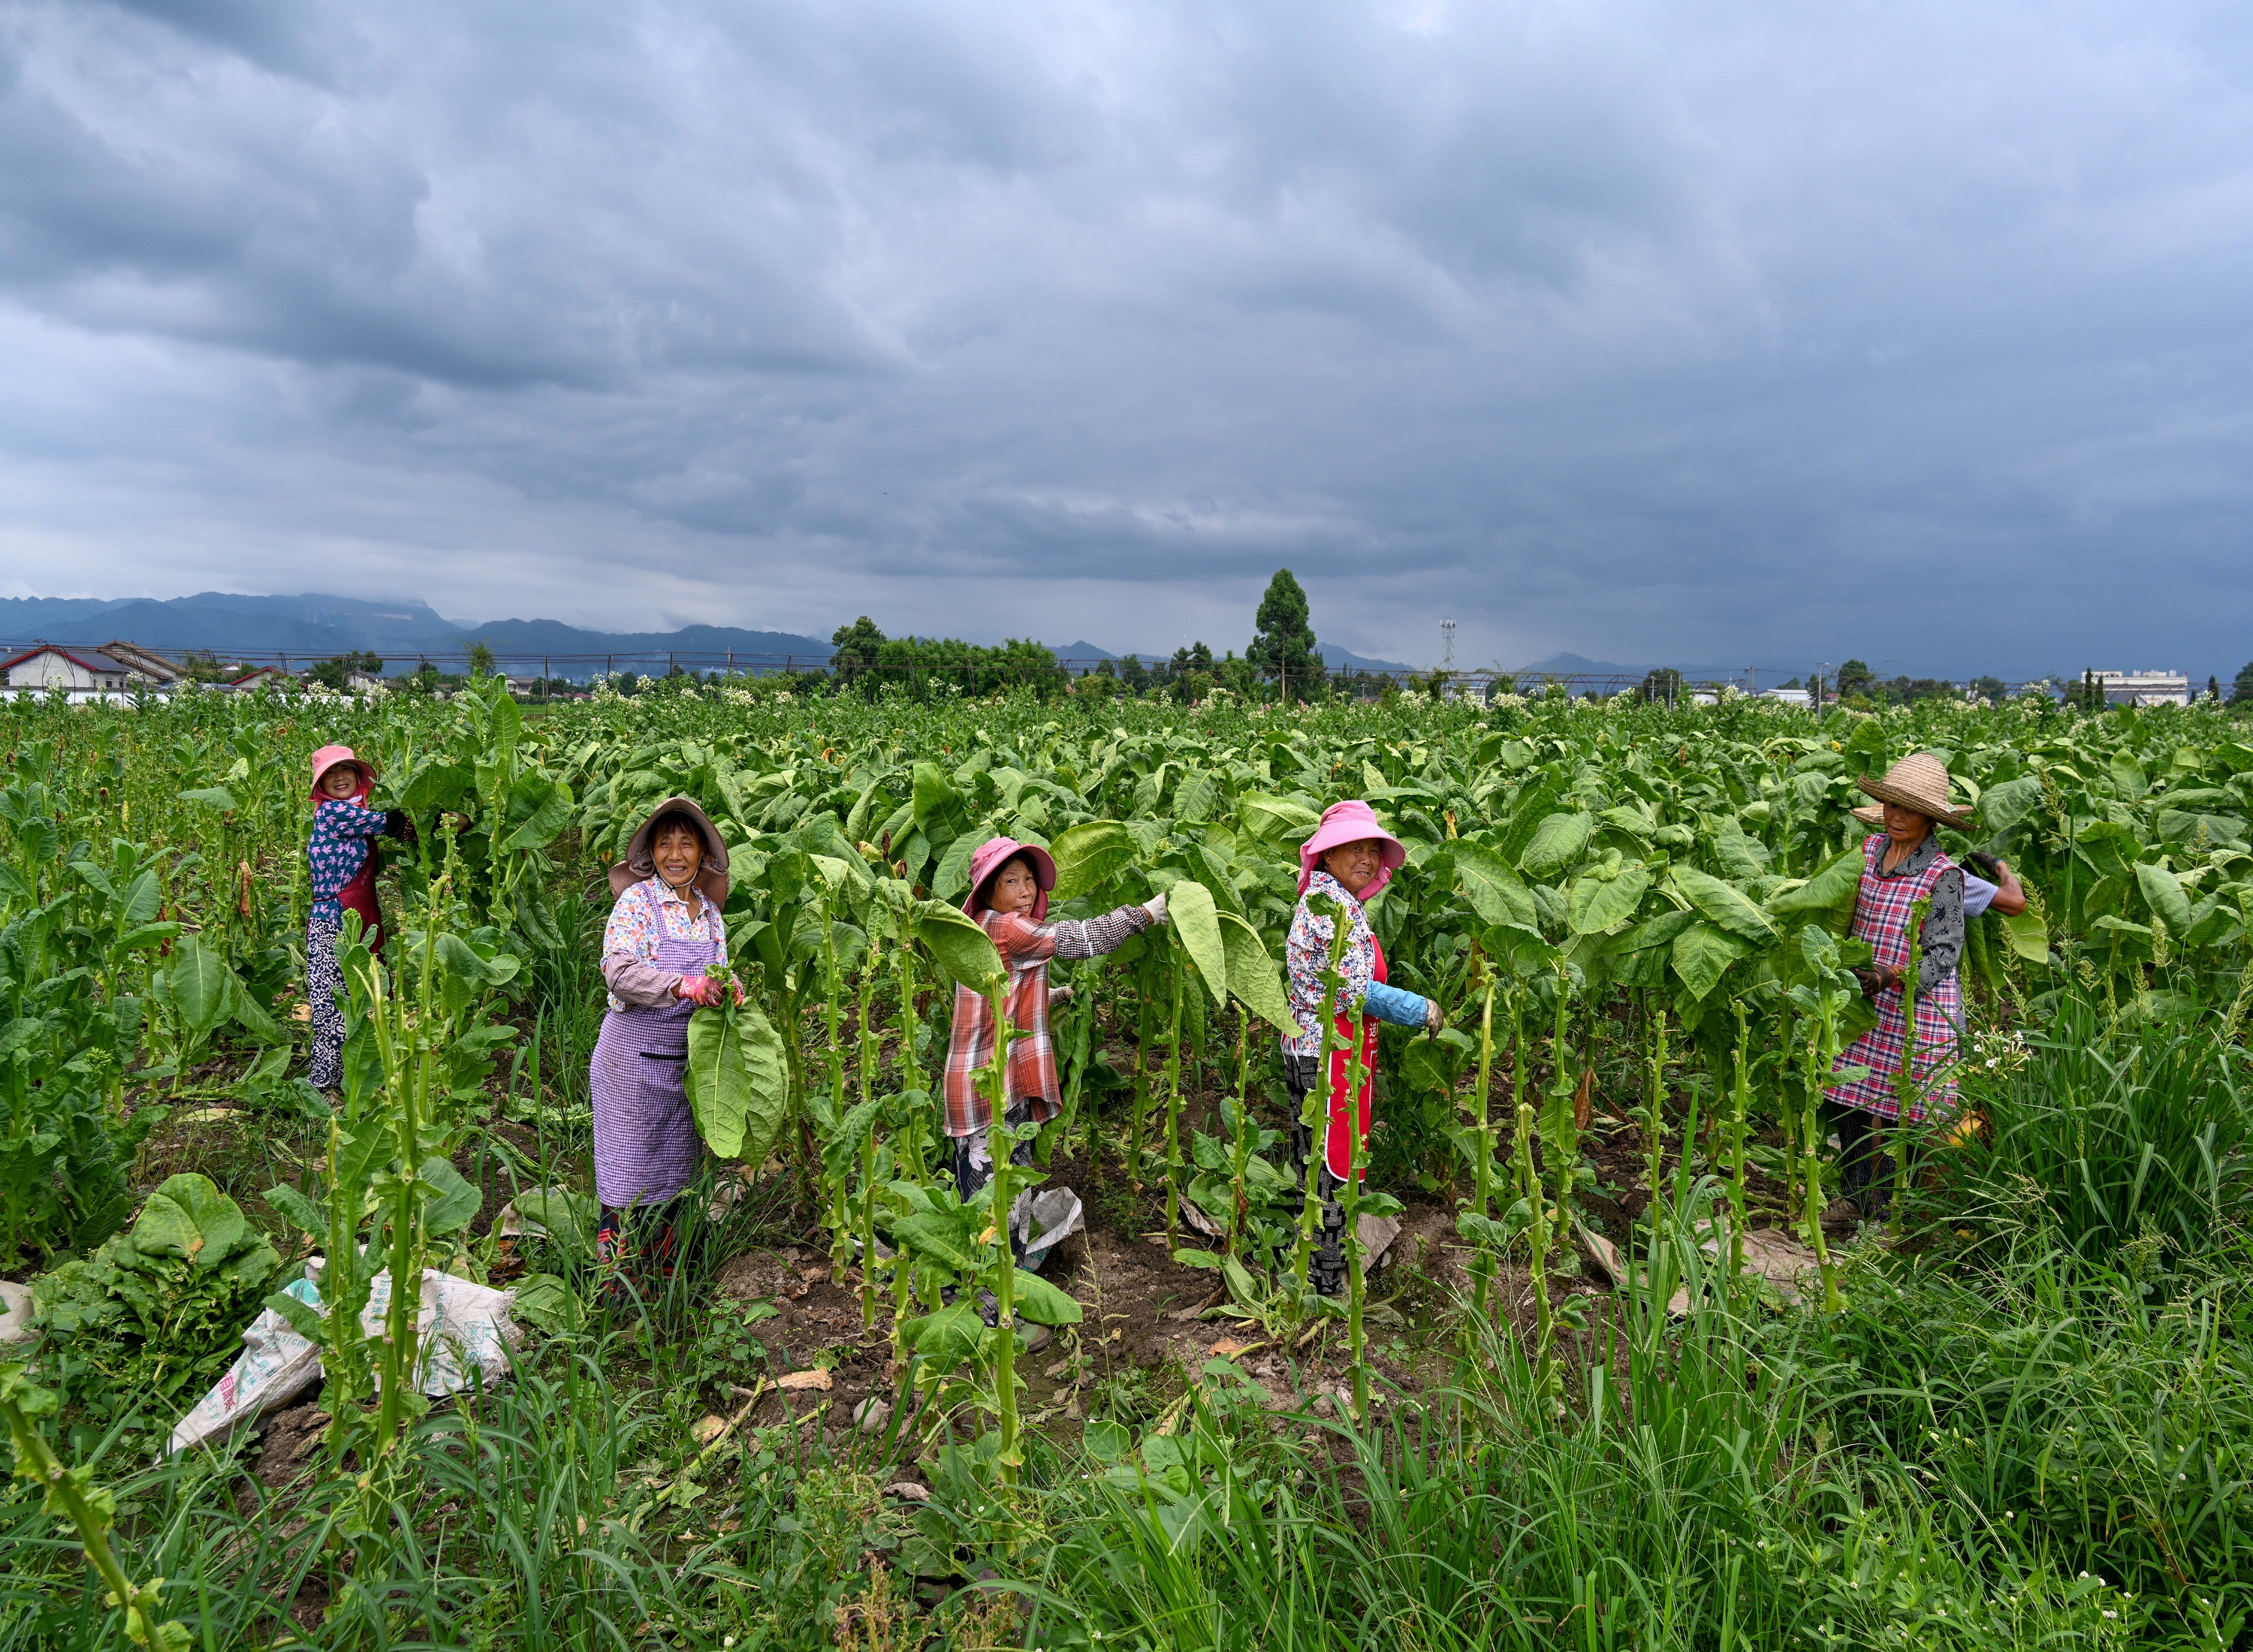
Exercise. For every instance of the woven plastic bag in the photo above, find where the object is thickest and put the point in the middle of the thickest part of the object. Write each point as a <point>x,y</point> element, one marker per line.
<point>460,1327</point>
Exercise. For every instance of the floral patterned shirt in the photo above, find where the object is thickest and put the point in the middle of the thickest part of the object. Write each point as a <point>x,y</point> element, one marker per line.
<point>339,847</point>
<point>649,910</point>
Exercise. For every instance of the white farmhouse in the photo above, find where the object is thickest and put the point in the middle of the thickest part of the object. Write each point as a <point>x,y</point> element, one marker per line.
<point>2145,687</point>
<point>80,673</point>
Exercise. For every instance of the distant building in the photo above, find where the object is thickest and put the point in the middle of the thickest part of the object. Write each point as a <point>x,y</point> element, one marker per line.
<point>1799,697</point>
<point>260,676</point>
<point>146,664</point>
<point>80,673</point>
<point>361,682</point>
<point>2144,687</point>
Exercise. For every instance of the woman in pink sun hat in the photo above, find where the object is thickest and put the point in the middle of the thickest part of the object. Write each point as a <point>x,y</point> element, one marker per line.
<point>340,856</point>
<point>1009,885</point>
<point>1348,859</point>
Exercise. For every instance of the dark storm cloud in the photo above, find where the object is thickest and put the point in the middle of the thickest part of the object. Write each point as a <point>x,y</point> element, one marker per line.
<point>1756,332</point>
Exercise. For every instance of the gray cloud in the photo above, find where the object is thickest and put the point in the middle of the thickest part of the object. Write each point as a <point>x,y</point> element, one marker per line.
<point>1745,333</point>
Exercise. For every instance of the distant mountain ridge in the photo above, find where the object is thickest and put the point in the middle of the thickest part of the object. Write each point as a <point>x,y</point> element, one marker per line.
<point>317,626</point>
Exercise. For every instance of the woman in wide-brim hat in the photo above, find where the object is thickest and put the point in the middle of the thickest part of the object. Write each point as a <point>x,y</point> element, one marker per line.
<point>1009,885</point>
<point>1349,857</point>
<point>1901,865</point>
<point>663,942</point>
<point>340,863</point>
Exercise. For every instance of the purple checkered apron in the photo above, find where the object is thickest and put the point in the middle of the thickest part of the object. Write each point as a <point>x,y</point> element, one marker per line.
<point>646,1148</point>
<point>1881,915</point>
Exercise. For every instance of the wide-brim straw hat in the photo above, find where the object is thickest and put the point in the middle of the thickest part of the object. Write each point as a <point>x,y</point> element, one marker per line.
<point>641,861</point>
<point>1920,782</point>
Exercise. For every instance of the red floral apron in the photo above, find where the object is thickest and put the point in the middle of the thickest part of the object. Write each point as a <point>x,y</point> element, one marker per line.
<point>1336,1147</point>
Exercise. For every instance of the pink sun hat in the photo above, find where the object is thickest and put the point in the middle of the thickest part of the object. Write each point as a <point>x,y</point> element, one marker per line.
<point>994,853</point>
<point>329,757</point>
<point>1352,821</point>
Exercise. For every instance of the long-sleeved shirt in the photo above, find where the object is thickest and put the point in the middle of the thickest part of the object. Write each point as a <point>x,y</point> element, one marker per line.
<point>647,911</point>
<point>1025,948</point>
<point>343,835</point>
<point>1306,953</point>
<point>1943,920</point>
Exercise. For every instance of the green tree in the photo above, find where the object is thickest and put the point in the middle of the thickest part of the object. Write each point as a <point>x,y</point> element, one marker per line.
<point>857,645</point>
<point>1855,677</point>
<point>2241,691</point>
<point>1989,687</point>
<point>1663,685</point>
<point>481,658</point>
<point>1283,645</point>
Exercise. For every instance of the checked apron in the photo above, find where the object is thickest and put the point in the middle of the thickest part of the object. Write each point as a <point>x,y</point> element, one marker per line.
<point>1881,916</point>
<point>646,1149</point>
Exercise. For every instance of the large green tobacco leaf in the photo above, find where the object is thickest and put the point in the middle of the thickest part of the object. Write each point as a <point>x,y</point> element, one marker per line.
<point>2164,891</point>
<point>189,1218</point>
<point>1088,856</point>
<point>452,1201</point>
<point>1722,903</point>
<point>1493,889</point>
<point>538,809</point>
<point>1702,956</point>
<point>211,798</point>
<point>963,949</point>
<point>952,880</point>
<point>1275,820</point>
<point>949,1335</point>
<point>200,982</point>
<point>941,1236</point>
<point>1252,976</point>
<point>738,1080</point>
<point>2028,934</point>
<point>1556,844</point>
<point>2003,807</point>
<point>1595,905</point>
<point>1831,892</point>
<point>1043,1303</point>
<point>1197,930</point>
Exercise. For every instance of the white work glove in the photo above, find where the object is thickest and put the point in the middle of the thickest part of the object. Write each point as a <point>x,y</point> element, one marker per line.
<point>1156,906</point>
<point>1059,995</point>
<point>1431,1023</point>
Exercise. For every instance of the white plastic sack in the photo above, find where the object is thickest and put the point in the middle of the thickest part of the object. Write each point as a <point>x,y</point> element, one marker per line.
<point>459,1326</point>
<point>1053,1215</point>
<point>276,1365</point>
<point>15,1313</point>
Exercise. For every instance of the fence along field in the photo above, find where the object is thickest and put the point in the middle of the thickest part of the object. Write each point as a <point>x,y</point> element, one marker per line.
<point>2020,1418</point>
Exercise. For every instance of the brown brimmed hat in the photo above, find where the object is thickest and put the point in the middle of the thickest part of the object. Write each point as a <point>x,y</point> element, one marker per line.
<point>641,862</point>
<point>1919,782</point>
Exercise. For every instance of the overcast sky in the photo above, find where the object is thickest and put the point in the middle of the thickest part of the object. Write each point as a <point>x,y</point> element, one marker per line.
<point>1729,334</point>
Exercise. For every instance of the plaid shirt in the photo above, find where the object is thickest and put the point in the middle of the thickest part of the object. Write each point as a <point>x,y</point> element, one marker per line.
<point>1026,948</point>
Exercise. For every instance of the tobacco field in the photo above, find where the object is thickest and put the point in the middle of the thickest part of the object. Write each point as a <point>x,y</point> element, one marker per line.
<point>1563,1407</point>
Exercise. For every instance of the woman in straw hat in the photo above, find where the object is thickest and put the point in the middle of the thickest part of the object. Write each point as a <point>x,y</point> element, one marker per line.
<point>1901,866</point>
<point>1348,859</point>
<point>664,941</point>
<point>340,861</point>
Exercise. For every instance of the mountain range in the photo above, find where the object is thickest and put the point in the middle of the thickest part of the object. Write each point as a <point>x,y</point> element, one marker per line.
<point>316,627</point>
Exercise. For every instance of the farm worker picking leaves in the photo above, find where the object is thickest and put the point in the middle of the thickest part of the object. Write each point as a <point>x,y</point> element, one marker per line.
<point>1009,885</point>
<point>660,948</point>
<point>340,857</point>
<point>1346,860</point>
<point>1902,867</point>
